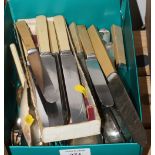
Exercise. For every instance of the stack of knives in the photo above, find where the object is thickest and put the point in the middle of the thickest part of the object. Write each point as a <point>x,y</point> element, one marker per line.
<point>55,58</point>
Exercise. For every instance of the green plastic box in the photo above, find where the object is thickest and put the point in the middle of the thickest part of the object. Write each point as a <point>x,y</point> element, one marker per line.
<point>102,13</point>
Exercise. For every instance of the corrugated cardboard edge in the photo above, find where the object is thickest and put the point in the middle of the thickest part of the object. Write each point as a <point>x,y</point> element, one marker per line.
<point>65,132</point>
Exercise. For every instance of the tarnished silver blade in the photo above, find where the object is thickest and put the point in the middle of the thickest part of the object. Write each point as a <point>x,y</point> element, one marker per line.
<point>111,130</point>
<point>99,82</point>
<point>121,123</point>
<point>55,109</point>
<point>75,99</point>
<point>126,108</point>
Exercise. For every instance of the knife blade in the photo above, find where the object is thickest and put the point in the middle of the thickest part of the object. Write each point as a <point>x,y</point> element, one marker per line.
<point>40,73</point>
<point>111,130</point>
<point>70,72</point>
<point>122,100</point>
<point>54,110</point>
<point>94,69</point>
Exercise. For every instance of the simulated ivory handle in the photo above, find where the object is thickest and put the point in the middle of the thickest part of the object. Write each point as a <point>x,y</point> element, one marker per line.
<point>85,40</point>
<point>75,37</point>
<point>100,51</point>
<point>60,27</point>
<point>53,38</point>
<point>117,38</point>
<point>42,34</point>
<point>25,35</point>
<point>18,64</point>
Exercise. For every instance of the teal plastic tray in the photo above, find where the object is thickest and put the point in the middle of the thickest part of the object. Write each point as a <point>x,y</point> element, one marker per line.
<point>102,13</point>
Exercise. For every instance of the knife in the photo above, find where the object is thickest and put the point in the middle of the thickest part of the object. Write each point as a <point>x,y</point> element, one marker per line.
<point>122,100</point>
<point>36,100</point>
<point>117,39</point>
<point>55,52</point>
<point>70,72</point>
<point>94,69</point>
<point>54,110</point>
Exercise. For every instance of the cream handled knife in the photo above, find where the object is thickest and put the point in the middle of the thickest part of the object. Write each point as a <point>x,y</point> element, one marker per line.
<point>54,110</point>
<point>55,52</point>
<point>94,69</point>
<point>70,72</point>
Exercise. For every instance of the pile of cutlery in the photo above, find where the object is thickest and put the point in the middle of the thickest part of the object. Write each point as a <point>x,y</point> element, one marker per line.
<point>52,61</point>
